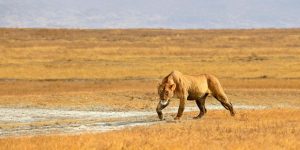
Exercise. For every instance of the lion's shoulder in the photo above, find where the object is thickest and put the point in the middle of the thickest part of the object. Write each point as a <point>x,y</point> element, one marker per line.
<point>176,73</point>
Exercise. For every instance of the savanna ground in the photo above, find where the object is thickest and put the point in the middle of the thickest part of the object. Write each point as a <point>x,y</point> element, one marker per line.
<point>118,70</point>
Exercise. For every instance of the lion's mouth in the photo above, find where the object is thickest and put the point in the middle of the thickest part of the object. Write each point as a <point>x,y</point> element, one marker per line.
<point>164,102</point>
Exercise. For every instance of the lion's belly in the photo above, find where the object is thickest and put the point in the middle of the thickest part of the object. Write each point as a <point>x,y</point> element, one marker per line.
<point>191,98</point>
<point>197,90</point>
<point>194,96</point>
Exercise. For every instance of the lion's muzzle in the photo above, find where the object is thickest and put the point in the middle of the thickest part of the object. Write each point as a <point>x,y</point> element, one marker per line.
<point>164,102</point>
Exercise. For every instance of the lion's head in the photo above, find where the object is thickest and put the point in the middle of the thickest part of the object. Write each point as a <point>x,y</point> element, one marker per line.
<point>174,84</point>
<point>166,92</point>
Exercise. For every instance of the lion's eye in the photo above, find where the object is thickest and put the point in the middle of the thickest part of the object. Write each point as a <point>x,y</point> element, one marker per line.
<point>166,93</point>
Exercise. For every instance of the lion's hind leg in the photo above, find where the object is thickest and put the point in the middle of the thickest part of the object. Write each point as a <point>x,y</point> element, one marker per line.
<point>218,92</point>
<point>201,104</point>
<point>222,98</point>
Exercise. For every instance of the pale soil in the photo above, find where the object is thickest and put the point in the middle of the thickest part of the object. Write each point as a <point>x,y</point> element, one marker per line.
<point>34,121</point>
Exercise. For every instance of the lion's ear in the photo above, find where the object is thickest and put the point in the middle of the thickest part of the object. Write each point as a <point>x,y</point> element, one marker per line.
<point>173,87</point>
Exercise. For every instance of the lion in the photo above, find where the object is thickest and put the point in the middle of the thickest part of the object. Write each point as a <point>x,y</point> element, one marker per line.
<point>185,87</point>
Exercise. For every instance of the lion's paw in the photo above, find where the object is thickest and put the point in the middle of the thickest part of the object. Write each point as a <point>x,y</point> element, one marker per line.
<point>177,118</point>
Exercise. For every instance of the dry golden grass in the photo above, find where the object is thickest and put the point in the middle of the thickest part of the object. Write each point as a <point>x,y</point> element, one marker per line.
<point>119,69</point>
<point>250,129</point>
<point>43,62</point>
<point>148,54</point>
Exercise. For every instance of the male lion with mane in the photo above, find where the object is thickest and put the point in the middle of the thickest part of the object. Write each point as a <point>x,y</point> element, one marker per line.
<point>187,87</point>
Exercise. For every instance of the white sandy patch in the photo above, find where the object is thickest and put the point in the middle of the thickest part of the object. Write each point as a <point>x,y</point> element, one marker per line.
<point>34,114</point>
<point>133,118</point>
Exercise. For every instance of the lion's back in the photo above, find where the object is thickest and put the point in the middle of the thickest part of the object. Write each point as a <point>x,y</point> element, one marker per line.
<point>198,84</point>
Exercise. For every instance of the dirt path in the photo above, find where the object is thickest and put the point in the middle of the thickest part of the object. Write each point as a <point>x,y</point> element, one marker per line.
<point>34,121</point>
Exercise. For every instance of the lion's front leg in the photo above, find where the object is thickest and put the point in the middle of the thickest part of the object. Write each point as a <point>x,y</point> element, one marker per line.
<point>180,109</point>
<point>159,109</point>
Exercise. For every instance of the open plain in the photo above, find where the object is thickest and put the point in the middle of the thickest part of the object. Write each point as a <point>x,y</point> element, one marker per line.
<point>96,89</point>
